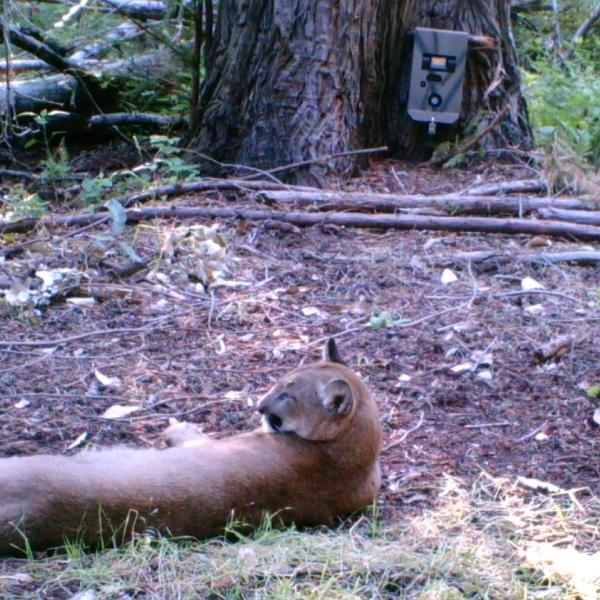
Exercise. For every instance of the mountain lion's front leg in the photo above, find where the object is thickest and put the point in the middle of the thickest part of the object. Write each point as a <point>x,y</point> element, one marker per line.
<point>180,433</point>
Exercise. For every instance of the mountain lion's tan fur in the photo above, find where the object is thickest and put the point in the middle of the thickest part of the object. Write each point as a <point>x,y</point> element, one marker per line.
<point>315,460</point>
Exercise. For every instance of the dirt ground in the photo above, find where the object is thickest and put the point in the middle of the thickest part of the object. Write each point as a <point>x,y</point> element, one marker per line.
<point>451,365</point>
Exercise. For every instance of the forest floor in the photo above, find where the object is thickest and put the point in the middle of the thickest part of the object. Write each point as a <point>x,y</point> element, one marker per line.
<point>452,365</point>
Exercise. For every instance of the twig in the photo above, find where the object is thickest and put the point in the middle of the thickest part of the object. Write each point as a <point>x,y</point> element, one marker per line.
<point>539,292</point>
<point>73,338</point>
<point>469,144</point>
<point>406,433</point>
<point>529,435</point>
<point>484,425</point>
<point>322,159</point>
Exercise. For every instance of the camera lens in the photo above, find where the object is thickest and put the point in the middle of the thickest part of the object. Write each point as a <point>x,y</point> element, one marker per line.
<point>435,100</point>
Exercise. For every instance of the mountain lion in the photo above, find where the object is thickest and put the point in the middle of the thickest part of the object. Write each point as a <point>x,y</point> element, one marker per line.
<point>315,459</point>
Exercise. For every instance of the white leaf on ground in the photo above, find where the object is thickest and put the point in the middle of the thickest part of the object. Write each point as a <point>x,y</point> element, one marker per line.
<point>448,277</point>
<point>22,403</point>
<point>18,295</point>
<point>54,276</point>
<point>596,417</point>
<point>482,358</point>
<point>431,242</point>
<point>466,366</point>
<point>534,309</point>
<point>78,441</point>
<point>118,411</point>
<point>49,351</point>
<point>404,378</point>
<point>528,283</point>
<point>86,595</point>
<point>486,375</point>
<point>541,437</point>
<point>235,395</point>
<point>85,301</point>
<point>312,311</point>
<point>107,381</point>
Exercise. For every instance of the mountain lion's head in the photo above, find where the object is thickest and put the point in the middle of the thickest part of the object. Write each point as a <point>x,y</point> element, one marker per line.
<point>316,402</point>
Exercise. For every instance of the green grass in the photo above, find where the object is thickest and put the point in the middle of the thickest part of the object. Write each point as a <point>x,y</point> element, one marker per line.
<point>490,541</point>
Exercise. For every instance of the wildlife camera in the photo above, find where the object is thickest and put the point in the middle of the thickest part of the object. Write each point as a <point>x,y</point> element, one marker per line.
<point>437,76</point>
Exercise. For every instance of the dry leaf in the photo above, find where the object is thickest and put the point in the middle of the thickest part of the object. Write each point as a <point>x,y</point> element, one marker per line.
<point>118,411</point>
<point>78,441</point>
<point>107,381</point>
<point>448,277</point>
<point>528,283</point>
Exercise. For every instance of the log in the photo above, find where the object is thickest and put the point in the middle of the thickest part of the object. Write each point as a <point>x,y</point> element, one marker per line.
<point>80,58</point>
<point>589,217</point>
<point>451,203</point>
<point>147,119</point>
<point>581,257</point>
<point>520,186</point>
<point>60,92</point>
<point>136,9</point>
<point>405,222</point>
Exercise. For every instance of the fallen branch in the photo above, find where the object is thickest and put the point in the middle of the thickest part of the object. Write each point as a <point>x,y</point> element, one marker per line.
<point>440,160</point>
<point>80,58</point>
<point>557,347</point>
<point>581,257</point>
<point>521,186</point>
<point>138,9</point>
<point>417,222</point>
<point>320,159</point>
<point>45,52</point>
<point>588,217</point>
<point>57,92</point>
<point>136,118</point>
<point>587,25</point>
<point>451,203</point>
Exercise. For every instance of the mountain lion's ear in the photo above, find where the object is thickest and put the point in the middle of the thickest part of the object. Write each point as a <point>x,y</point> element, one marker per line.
<point>337,397</point>
<point>331,354</point>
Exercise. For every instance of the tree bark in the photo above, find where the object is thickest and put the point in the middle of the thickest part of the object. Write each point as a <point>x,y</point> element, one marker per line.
<point>292,79</point>
<point>287,81</point>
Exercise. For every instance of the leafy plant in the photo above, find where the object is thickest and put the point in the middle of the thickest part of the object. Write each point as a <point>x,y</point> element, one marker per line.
<point>22,203</point>
<point>169,160</point>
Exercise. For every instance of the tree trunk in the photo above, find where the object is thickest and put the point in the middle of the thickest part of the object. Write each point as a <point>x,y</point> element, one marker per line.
<point>290,80</point>
<point>287,81</point>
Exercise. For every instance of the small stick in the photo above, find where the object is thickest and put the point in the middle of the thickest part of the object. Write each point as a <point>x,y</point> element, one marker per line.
<point>483,425</point>
<point>532,433</point>
<point>406,433</point>
<point>468,145</point>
